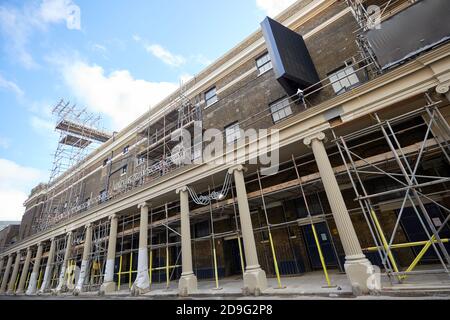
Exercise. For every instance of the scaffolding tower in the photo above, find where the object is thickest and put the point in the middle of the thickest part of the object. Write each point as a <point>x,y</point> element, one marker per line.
<point>79,135</point>
<point>415,184</point>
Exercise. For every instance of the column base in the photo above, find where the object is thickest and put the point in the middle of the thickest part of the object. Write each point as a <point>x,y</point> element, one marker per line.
<point>77,291</point>
<point>363,276</point>
<point>255,281</point>
<point>187,284</point>
<point>108,287</point>
<point>136,291</point>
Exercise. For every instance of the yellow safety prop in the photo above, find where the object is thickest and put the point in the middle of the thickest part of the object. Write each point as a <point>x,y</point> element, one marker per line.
<point>119,273</point>
<point>407,245</point>
<point>385,243</point>
<point>216,274</point>
<point>275,262</point>
<point>420,255</point>
<point>322,260</point>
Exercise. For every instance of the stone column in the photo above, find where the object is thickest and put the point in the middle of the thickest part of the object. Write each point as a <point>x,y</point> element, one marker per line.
<point>108,282</point>
<point>188,280</point>
<point>444,88</point>
<point>142,283</point>
<point>6,274</point>
<point>62,274</point>
<point>32,286</point>
<point>359,270</point>
<point>85,260</point>
<point>12,280</point>
<point>2,261</point>
<point>254,277</point>
<point>48,267</point>
<point>23,276</point>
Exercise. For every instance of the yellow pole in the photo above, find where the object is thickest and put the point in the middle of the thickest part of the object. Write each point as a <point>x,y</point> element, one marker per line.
<point>28,279</point>
<point>420,255</point>
<point>407,245</point>
<point>17,280</point>
<point>215,268</point>
<point>39,280</point>
<point>385,243</point>
<point>241,255</point>
<point>322,260</point>
<point>275,262</point>
<point>119,274</point>
<point>316,239</point>
<point>130,269</point>
<point>167,268</point>
<point>150,266</point>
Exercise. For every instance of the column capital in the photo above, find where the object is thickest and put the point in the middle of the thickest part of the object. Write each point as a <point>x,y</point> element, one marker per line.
<point>39,244</point>
<point>52,239</point>
<point>318,135</point>
<point>88,225</point>
<point>69,233</point>
<point>182,189</point>
<point>143,204</point>
<point>238,167</point>
<point>113,216</point>
<point>443,87</point>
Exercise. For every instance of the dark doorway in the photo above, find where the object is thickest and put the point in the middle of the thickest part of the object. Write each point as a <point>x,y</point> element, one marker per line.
<point>325,244</point>
<point>415,232</point>
<point>232,257</point>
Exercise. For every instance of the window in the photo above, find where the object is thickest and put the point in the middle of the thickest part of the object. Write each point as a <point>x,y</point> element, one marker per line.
<point>126,149</point>
<point>106,161</point>
<point>343,79</point>
<point>124,170</point>
<point>232,132</point>
<point>140,160</point>
<point>201,229</point>
<point>280,110</point>
<point>102,196</point>
<point>264,63</point>
<point>211,97</point>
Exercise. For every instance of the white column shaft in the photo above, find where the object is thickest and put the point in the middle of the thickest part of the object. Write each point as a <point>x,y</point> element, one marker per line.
<point>32,285</point>
<point>48,267</point>
<point>6,274</point>
<point>23,276</point>
<point>12,280</point>
<point>111,257</point>
<point>85,260</point>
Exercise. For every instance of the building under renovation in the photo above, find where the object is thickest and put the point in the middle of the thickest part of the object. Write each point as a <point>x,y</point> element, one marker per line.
<point>330,128</point>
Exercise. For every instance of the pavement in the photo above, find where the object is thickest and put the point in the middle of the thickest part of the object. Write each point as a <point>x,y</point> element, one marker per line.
<point>306,287</point>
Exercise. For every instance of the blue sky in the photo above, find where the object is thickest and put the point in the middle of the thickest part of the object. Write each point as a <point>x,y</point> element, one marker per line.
<point>116,58</point>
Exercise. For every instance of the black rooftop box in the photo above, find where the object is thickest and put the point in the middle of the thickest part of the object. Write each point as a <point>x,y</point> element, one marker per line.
<point>419,27</point>
<point>292,63</point>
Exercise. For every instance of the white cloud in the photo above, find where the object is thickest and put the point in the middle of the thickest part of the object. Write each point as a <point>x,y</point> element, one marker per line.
<point>11,86</point>
<point>165,55</point>
<point>56,11</point>
<point>117,94</point>
<point>273,7</point>
<point>15,183</point>
<point>19,24</point>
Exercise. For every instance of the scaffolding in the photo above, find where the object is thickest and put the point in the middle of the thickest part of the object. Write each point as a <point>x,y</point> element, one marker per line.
<point>78,137</point>
<point>418,183</point>
<point>155,151</point>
